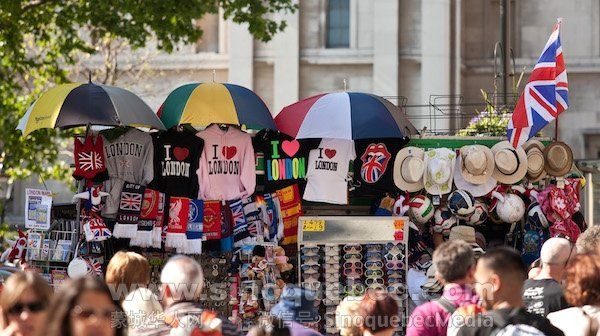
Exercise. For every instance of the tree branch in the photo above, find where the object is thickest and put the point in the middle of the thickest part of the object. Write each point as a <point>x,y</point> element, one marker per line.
<point>35,3</point>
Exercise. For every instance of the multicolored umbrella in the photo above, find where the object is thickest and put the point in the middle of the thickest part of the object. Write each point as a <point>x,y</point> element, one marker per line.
<point>201,104</point>
<point>77,104</point>
<point>344,115</point>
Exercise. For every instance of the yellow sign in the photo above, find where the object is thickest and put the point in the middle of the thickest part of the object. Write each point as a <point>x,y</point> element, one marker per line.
<point>313,225</point>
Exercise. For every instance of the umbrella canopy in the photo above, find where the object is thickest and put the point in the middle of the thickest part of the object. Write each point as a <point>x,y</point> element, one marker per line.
<point>201,104</point>
<point>77,104</point>
<point>344,115</point>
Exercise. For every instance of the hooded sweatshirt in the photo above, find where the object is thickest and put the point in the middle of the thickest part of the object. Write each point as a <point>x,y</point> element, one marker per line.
<point>227,169</point>
<point>129,158</point>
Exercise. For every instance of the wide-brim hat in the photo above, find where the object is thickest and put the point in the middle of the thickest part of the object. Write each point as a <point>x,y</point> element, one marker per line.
<point>558,159</point>
<point>439,171</point>
<point>510,163</point>
<point>409,168</point>
<point>463,232</point>
<point>477,163</point>
<point>432,284</point>
<point>535,160</point>
<point>296,304</point>
<point>477,190</point>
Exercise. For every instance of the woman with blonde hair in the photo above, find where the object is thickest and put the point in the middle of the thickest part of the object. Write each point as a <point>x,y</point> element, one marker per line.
<point>346,316</point>
<point>24,302</point>
<point>127,271</point>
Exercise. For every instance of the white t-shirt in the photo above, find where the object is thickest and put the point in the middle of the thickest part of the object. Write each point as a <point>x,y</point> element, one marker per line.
<point>326,178</point>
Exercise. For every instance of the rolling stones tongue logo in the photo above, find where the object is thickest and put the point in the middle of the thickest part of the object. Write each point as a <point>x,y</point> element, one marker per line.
<point>375,161</point>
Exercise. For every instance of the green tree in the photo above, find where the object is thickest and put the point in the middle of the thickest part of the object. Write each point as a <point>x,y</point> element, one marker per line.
<point>39,39</point>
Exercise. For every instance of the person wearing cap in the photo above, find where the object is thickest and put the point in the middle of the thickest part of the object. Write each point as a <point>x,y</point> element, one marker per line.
<point>454,263</point>
<point>295,307</point>
<point>543,294</point>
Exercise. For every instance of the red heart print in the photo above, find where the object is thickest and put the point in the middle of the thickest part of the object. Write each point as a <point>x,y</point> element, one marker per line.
<point>180,153</point>
<point>229,151</point>
<point>330,153</point>
<point>290,147</point>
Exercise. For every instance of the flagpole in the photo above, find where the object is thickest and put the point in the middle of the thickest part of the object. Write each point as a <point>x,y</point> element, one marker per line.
<point>556,129</point>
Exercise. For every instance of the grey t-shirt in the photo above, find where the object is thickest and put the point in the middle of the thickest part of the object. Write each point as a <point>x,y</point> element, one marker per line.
<point>129,158</point>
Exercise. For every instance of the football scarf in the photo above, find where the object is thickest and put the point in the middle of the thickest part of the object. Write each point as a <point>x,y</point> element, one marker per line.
<point>130,207</point>
<point>179,210</point>
<point>226,229</point>
<point>212,220</point>
<point>272,216</point>
<point>291,209</point>
<point>194,228</point>
<point>157,230</point>
<point>240,226</point>
<point>94,227</point>
<point>252,213</point>
<point>148,217</point>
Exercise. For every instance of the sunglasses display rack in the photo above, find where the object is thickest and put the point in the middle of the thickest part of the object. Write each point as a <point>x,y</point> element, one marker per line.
<point>347,256</point>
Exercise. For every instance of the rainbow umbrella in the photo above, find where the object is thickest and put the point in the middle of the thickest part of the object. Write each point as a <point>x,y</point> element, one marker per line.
<point>201,104</point>
<point>82,104</point>
<point>344,115</point>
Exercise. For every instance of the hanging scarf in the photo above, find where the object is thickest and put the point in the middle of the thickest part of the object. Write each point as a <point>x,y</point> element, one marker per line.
<point>212,220</point>
<point>179,210</point>
<point>94,227</point>
<point>157,230</point>
<point>148,218</point>
<point>194,228</point>
<point>291,209</point>
<point>130,207</point>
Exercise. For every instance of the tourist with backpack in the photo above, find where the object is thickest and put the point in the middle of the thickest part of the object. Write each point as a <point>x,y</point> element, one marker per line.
<point>499,278</point>
<point>455,264</point>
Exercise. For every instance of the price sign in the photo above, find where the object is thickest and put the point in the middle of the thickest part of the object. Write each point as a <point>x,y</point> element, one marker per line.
<point>313,225</point>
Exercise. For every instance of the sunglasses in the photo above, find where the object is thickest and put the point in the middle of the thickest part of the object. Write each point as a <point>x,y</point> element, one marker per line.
<point>332,248</point>
<point>394,265</point>
<point>332,259</point>
<point>310,250</point>
<point>374,247</point>
<point>329,277</point>
<point>352,248</point>
<point>393,246</point>
<point>370,273</point>
<point>353,272</point>
<point>354,289</point>
<point>353,264</point>
<point>395,281</point>
<point>331,302</point>
<point>374,281</point>
<point>308,258</point>
<point>352,256</point>
<point>393,256</point>
<point>86,313</point>
<point>374,264</point>
<point>397,288</point>
<point>311,267</point>
<point>32,307</point>
<point>311,277</point>
<point>332,268</point>
<point>373,255</point>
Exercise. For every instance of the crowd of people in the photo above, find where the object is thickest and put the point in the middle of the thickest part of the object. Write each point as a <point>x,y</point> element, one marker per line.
<point>493,293</point>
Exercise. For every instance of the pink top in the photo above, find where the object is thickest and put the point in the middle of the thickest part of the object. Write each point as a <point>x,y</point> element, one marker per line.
<point>227,169</point>
<point>430,319</point>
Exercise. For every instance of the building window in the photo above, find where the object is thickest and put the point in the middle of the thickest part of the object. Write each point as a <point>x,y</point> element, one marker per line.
<point>338,24</point>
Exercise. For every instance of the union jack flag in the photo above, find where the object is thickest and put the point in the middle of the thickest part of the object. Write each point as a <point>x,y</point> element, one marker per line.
<point>545,96</point>
<point>90,161</point>
<point>131,201</point>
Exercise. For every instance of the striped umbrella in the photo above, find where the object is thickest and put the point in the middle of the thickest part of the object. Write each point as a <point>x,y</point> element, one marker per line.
<point>344,115</point>
<point>201,104</point>
<point>81,104</point>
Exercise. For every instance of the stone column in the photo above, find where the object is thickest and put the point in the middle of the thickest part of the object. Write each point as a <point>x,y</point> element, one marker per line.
<point>286,69</point>
<point>241,55</point>
<point>385,47</point>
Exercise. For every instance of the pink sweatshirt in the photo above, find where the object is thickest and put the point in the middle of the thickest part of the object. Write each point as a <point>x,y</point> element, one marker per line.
<point>227,169</point>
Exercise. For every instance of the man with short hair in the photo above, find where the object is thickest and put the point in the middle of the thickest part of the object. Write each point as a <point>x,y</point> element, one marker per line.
<point>543,294</point>
<point>499,277</point>
<point>589,240</point>
<point>454,262</point>
<point>182,281</point>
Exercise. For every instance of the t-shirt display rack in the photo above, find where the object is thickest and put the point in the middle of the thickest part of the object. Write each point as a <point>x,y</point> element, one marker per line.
<point>335,232</point>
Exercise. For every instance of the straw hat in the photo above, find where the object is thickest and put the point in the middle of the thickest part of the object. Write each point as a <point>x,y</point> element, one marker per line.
<point>439,171</point>
<point>558,159</point>
<point>477,163</point>
<point>409,168</point>
<point>477,190</point>
<point>511,163</point>
<point>535,160</point>
<point>432,284</point>
<point>463,232</point>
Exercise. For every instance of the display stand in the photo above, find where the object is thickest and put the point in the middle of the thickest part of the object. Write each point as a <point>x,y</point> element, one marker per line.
<point>352,241</point>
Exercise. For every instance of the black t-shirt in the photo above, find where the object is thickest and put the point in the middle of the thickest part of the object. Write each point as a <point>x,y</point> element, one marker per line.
<point>543,297</point>
<point>483,325</point>
<point>374,165</point>
<point>285,159</point>
<point>176,160</point>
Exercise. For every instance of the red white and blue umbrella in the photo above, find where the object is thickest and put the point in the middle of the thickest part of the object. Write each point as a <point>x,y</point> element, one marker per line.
<point>344,115</point>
